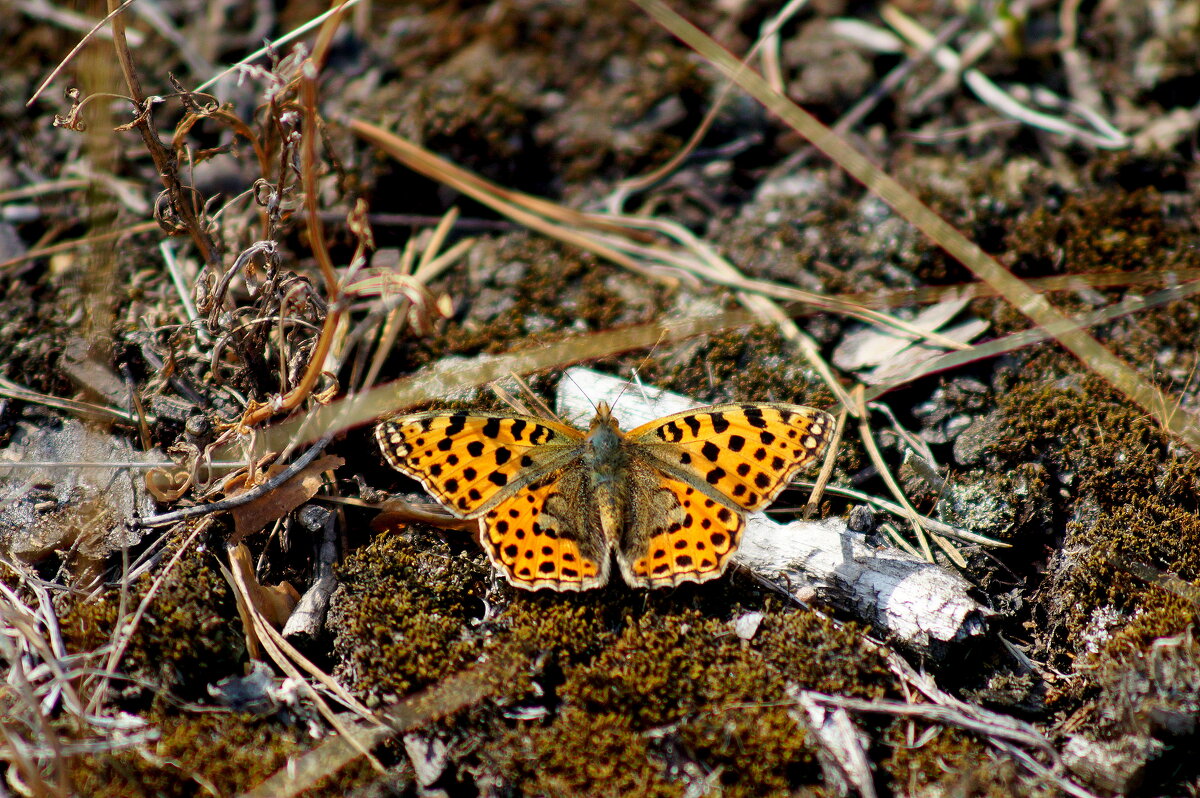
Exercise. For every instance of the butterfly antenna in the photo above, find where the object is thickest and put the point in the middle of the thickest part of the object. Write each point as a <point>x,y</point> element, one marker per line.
<point>636,380</point>
<point>582,392</point>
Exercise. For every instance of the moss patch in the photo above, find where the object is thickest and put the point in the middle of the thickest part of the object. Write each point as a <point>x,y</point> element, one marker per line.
<point>189,637</point>
<point>401,615</point>
<point>193,755</point>
<point>953,763</point>
<point>583,753</point>
<point>1120,486</point>
<point>686,699</point>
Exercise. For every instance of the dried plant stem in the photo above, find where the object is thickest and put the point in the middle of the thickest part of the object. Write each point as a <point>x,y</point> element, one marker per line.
<point>814,498</point>
<point>164,162</point>
<point>1022,297</point>
<point>125,630</point>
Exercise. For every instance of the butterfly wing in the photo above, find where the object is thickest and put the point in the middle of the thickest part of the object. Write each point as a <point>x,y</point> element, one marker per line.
<point>546,535</point>
<point>470,462</point>
<point>742,455</point>
<point>675,532</point>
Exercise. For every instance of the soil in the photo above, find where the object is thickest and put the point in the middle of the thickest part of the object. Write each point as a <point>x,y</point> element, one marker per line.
<point>148,321</point>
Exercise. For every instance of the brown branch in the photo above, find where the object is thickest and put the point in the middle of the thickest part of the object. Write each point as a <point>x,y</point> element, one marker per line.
<point>164,160</point>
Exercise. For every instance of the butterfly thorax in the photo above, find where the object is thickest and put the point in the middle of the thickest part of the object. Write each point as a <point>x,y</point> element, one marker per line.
<point>604,452</point>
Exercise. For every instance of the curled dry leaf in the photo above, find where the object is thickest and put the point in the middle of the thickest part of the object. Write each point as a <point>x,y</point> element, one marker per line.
<point>274,602</point>
<point>257,514</point>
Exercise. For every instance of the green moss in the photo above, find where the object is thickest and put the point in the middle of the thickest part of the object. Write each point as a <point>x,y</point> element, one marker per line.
<point>402,613</point>
<point>1148,673</point>
<point>660,669</point>
<point>585,754</point>
<point>813,653</point>
<point>193,755</point>
<point>1086,435</point>
<point>1162,536</point>
<point>723,699</point>
<point>571,629</point>
<point>1110,230</point>
<point>189,637</point>
<point>751,750</point>
<point>953,763</point>
<point>1121,489</point>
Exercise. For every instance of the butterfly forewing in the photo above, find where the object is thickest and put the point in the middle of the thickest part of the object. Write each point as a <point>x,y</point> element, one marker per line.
<point>554,502</point>
<point>744,453</point>
<point>468,462</point>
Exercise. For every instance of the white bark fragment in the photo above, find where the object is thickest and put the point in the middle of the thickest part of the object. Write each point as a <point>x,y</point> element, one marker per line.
<point>921,606</point>
<point>841,747</point>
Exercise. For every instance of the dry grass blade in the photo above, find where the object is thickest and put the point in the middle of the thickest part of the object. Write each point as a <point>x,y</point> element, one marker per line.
<point>457,692</point>
<point>914,518</point>
<point>270,640</point>
<point>85,409</point>
<point>1026,338</point>
<point>1032,304</point>
<point>442,380</point>
<point>613,238</point>
<point>534,213</point>
<point>127,628</point>
<point>1102,134</point>
<point>78,243</point>
<point>822,480</point>
<point>699,258</point>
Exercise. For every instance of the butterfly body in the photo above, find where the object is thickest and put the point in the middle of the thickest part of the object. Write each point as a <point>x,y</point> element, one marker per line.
<point>555,504</point>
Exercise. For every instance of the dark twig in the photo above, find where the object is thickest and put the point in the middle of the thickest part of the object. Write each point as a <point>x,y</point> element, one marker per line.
<point>164,161</point>
<point>242,498</point>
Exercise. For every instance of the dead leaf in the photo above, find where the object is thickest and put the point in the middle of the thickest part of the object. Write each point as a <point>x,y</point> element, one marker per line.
<point>273,505</point>
<point>274,602</point>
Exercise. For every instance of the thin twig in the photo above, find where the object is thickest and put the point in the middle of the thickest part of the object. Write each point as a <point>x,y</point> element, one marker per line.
<point>242,498</point>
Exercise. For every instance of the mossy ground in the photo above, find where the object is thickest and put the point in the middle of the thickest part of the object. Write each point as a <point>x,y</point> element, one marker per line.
<point>617,691</point>
<point>621,694</point>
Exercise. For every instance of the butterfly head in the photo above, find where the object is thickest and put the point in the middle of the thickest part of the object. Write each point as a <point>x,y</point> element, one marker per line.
<point>604,441</point>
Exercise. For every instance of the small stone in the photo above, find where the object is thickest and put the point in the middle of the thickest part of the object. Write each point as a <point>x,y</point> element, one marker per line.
<point>746,625</point>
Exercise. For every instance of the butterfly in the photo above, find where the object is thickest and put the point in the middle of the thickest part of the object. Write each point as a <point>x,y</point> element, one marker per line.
<point>554,503</point>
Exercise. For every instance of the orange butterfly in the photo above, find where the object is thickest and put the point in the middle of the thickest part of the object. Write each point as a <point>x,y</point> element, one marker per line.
<point>669,497</point>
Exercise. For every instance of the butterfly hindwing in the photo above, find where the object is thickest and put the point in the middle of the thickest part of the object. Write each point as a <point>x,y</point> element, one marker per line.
<point>553,502</point>
<point>676,533</point>
<point>469,461</point>
<point>744,452</point>
<point>537,537</point>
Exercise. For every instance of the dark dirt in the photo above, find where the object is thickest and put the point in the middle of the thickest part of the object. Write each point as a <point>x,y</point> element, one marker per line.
<point>615,691</point>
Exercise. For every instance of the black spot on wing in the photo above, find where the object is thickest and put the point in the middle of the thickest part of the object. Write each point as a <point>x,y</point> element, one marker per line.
<point>754,416</point>
<point>670,432</point>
